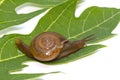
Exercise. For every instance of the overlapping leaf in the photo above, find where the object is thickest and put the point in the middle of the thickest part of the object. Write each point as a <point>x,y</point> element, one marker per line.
<point>61,19</point>
<point>14,64</point>
<point>8,16</point>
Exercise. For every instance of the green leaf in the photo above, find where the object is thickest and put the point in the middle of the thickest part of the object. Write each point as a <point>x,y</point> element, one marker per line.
<point>8,16</point>
<point>8,66</point>
<point>64,22</point>
<point>94,20</point>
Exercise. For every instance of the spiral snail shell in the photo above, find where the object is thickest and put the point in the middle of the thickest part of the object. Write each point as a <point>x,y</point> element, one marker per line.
<point>49,46</point>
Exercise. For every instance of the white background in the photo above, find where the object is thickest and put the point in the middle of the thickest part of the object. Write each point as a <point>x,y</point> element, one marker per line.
<point>103,65</point>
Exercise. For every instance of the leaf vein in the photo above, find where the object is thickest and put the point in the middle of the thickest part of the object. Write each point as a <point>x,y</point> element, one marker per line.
<point>98,25</point>
<point>4,22</point>
<point>13,2</point>
<point>103,14</point>
<point>49,27</point>
<point>5,11</point>
<point>1,49</point>
<point>11,58</point>
<point>69,26</point>
<point>85,20</point>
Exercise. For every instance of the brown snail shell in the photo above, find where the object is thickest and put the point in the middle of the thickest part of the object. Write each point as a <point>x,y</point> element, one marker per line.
<point>46,47</point>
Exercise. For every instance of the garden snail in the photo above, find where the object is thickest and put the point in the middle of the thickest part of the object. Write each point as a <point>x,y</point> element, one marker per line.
<point>49,46</point>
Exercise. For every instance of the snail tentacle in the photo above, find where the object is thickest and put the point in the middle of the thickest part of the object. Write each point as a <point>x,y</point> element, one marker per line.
<point>71,47</point>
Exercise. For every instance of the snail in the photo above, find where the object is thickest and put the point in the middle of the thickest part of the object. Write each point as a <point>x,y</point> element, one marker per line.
<point>49,46</point>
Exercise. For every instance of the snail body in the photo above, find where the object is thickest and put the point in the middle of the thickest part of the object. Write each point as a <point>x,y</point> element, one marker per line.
<point>50,46</point>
